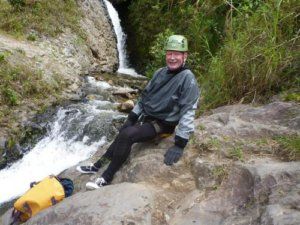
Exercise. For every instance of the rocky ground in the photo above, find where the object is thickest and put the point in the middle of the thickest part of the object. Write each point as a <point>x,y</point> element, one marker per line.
<point>231,173</point>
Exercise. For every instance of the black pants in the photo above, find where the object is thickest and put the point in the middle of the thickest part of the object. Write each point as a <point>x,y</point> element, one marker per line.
<point>120,149</point>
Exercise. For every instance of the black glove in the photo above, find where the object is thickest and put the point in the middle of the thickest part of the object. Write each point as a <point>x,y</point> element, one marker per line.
<point>173,155</point>
<point>131,120</point>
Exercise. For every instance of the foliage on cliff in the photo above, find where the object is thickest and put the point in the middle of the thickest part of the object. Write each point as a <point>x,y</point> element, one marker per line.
<point>20,85</point>
<point>240,51</point>
<point>30,18</point>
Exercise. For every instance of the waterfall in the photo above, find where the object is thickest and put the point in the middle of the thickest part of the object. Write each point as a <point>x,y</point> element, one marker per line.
<point>75,134</point>
<point>121,41</point>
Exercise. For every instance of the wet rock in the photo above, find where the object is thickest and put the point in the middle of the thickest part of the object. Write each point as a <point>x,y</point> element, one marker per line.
<point>2,142</point>
<point>92,131</point>
<point>33,132</point>
<point>126,106</point>
<point>125,92</point>
<point>12,152</point>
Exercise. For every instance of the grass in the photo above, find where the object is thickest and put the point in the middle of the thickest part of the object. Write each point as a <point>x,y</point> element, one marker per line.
<point>220,173</point>
<point>201,127</point>
<point>236,153</point>
<point>44,17</point>
<point>289,147</point>
<point>214,142</point>
<point>294,96</point>
<point>258,59</point>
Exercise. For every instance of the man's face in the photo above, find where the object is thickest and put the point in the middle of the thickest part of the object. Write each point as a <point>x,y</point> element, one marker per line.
<point>175,59</point>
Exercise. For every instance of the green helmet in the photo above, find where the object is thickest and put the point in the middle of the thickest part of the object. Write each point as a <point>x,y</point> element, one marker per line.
<point>177,43</point>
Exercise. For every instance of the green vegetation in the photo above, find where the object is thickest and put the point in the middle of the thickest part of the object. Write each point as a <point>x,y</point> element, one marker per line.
<point>295,96</point>
<point>20,17</point>
<point>289,147</point>
<point>201,127</point>
<point>236,153</point>
<point>240,51</point>
<point>214,143</point>
<point>18,83</point>
<point>220,173</point>
<point>32,37</point>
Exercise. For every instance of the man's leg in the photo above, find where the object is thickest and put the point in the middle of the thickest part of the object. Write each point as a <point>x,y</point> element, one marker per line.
<point>108,155</point>
<point>105,159</point>
<point>124,141</point>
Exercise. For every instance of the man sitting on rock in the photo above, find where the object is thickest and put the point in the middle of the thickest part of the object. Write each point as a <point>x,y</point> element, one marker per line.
<point>169,100</point>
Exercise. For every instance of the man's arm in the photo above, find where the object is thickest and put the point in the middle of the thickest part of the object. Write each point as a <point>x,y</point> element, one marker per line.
<point>184,129</point>
<point>185,126</point>
<point>188,105</point>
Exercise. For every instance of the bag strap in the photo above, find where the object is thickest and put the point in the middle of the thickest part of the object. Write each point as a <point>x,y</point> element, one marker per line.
<point>16,216</point>
<point>53,201</point>
<point>27,209</point>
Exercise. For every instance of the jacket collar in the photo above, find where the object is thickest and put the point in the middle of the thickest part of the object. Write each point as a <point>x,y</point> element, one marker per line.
<point>174,72</point>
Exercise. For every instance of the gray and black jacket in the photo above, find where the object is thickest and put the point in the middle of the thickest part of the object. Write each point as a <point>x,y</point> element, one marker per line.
<point>172,98</point>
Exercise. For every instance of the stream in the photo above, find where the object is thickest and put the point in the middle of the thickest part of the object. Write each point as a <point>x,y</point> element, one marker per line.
<point>74,132</point>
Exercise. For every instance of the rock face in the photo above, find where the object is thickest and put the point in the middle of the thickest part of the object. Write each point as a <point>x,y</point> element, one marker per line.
<point>245,121</point>
<point>207,186</point>
<point>100,35</point>
<point>244,127</point>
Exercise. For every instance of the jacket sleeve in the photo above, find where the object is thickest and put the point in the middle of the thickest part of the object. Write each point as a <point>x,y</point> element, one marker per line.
<point>186,123</point>
<point>137,109</point>
<point>188,105</point>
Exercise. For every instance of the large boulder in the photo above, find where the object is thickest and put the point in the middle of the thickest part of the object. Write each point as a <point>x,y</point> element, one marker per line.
<point>262,192</point>
<point>246,127</point>
<point>116,204</point>
<point>246,121</point>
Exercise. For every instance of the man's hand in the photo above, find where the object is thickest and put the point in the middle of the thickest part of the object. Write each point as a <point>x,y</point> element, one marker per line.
<point>130,121</point>
<point>173,155</point>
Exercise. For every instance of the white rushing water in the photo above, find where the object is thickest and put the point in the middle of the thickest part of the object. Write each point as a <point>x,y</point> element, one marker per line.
<point>51,155</point>
<point>121,41</point>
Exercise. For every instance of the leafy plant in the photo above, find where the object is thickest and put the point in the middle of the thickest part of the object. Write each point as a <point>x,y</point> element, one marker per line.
<point>32,37</point>
<point>2,57</point>
<point>17,4</point>
<point>10,96</point>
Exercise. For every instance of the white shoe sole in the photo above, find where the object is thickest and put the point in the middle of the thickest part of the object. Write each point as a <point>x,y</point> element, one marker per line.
<point>78,168</point>
<point>91,186</point>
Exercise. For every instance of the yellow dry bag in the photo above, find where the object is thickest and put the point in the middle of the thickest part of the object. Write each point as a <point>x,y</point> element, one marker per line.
<point>44,194</point>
